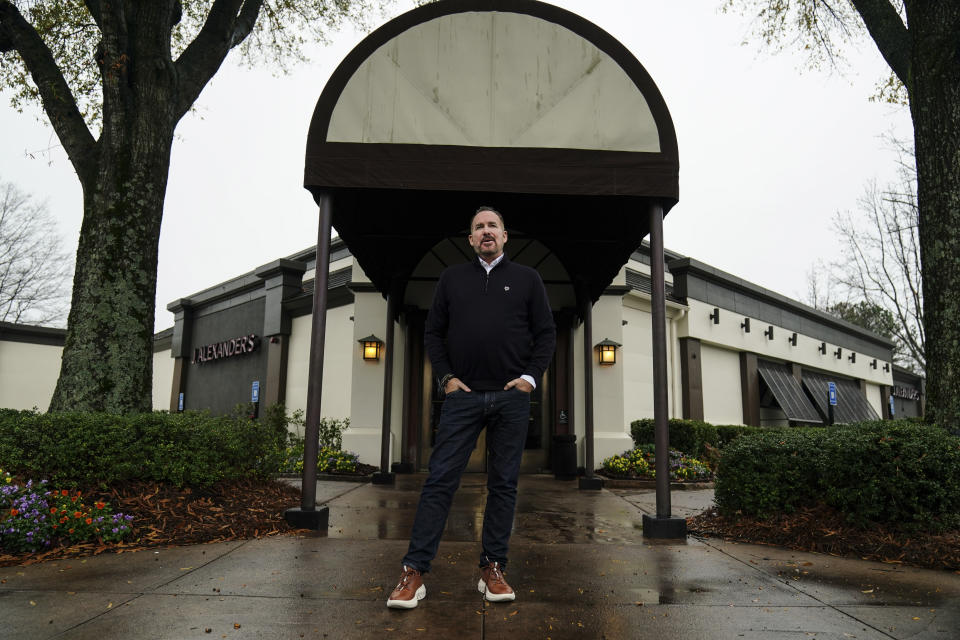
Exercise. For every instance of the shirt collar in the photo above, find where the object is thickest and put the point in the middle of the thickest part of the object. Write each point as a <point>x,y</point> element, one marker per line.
<point>489,267</point>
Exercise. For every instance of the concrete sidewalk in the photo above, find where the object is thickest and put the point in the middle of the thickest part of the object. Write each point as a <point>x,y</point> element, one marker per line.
<point>579,564</point>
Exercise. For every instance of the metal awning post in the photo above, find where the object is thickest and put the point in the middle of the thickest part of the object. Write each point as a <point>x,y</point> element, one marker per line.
<point>308,516</point>
<point>663,525</point>
<point>588,481</point>
<point>384,476</point>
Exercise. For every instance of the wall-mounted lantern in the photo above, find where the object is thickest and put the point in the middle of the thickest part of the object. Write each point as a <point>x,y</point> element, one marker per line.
<point>838,353</point>
<point>372,346</point>
<point>745,325</point>
<point>822,348</point>
<point>769,333</point>
<point>852,357</point>
<point>715,316</point>
<point>607,350</point>
<point>874,363</point>
<point>792,339</point>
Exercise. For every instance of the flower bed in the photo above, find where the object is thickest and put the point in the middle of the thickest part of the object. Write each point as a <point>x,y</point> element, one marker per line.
<point>640,463</point>
<point>34,517</point>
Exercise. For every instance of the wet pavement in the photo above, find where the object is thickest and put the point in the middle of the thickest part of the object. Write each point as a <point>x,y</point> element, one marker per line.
<point>579,564</point>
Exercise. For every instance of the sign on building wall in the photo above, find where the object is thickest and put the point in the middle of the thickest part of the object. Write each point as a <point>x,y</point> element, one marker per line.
<point>226,349</point>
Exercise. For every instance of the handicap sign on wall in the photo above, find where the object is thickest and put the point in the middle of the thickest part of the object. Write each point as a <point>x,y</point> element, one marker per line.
<point>255,391</point>
<point>832,392</point>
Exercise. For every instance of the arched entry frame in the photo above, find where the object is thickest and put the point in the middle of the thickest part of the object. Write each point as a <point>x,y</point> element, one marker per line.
<point>514,103</point>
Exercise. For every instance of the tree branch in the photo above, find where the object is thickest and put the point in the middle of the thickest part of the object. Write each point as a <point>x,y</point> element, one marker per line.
<point>889,33</point>
<point>228,24</point>
<point>16,34</point>
<point>96,11</point>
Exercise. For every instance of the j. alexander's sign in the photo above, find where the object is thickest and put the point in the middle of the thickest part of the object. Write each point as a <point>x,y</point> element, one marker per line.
<point>226,349</point>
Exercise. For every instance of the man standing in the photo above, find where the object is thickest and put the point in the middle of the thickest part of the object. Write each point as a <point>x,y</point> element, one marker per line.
<point>490,335</point>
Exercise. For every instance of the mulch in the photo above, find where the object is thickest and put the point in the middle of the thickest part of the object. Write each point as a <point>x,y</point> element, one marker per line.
<point>823,529</point>
<point>165,515</point>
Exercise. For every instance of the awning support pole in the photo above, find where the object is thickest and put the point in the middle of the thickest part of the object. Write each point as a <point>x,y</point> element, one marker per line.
<point>663,526</point>
<point>588,481</point>
<point>308,516</point>
<point>384,476</point>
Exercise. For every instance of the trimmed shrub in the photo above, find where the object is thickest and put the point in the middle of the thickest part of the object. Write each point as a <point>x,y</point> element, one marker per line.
<point>896,472</point>
<point>691,436</point>
<point>190,448</point>
<point>767,473</point>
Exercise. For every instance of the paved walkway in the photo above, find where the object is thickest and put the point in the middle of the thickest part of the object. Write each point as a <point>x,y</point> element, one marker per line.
<point>579,564</point>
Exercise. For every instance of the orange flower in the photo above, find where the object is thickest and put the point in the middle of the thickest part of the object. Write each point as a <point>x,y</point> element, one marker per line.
<point>55,526</point>
<point>100,505</point>
<point>13,512</point>
<point>69,530</point>
<point>77,515</point>
<point>73,499</point>
<point>64,492</point>
<point>63,519</point>
<point>89,520</point>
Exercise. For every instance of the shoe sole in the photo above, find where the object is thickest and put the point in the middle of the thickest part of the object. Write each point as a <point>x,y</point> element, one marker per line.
<point>412,602</point>
<point>494,597</point>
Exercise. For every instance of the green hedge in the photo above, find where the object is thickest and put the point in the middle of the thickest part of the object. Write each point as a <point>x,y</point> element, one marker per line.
<point>690,436</point>
<point>190,448</point>
<point>897,472</point>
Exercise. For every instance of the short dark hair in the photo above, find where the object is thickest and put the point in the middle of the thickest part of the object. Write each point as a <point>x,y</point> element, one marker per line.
<point>491,210</point>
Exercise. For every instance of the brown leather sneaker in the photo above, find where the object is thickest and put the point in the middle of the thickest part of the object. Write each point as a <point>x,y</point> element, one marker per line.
<point>492,584</point>
<point>409,591</point>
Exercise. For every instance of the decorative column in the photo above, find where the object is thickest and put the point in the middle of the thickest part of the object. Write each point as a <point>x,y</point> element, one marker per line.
<point>282,279</point>
<point>180,350</point>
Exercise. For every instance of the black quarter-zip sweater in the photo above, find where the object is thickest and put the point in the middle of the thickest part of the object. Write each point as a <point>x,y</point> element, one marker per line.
<point>488,329</point>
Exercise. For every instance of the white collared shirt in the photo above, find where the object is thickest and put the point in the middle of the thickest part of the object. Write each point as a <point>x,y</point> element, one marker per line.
<point>487,267</point>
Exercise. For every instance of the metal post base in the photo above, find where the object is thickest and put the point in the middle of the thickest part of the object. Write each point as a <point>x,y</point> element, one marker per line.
<point>591,484</point>
<point>384,478</point>
<point>654,527</point>
<point>315,519</point>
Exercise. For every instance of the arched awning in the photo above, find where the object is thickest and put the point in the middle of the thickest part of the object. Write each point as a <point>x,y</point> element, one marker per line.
<point>512,103</point>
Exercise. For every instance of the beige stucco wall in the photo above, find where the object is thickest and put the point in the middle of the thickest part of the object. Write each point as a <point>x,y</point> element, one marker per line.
<point>162,380</point>
<point>874,397</point>
<point>338,350</point>
<point>28,374</point>
<point>722,399</point>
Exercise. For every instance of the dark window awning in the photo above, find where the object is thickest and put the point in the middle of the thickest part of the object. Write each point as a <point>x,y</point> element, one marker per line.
<point>788,392</point>
<point>852,406</point>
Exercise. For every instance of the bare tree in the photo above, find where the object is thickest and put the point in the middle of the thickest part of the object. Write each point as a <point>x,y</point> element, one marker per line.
<point>34,270</point>
<point>881,265</point>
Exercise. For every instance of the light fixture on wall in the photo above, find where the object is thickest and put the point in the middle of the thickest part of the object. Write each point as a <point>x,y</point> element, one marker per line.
<point>715,316</point>
<point>372,346</point>
<point>838,353</point>
<point>874,363</point>
<point>886,367</point>
<point>607,350</point>
<point>769,333</point>
<point>745,325</point>
<point>822,348</point>
<point>853,357</point>
<point>792,339</point>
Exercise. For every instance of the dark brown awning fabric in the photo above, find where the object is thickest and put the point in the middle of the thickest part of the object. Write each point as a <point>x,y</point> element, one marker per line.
<point>852,406</point>
<point>572,140</point>
<point>788,392</point>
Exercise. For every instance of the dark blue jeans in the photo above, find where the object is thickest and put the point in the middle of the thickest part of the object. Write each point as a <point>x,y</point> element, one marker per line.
<point>506,415</point>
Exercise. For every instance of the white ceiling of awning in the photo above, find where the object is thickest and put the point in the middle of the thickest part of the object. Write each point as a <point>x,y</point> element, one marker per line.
<point>493,79</point>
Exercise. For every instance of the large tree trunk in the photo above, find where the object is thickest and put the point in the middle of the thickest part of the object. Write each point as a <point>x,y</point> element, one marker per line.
<point>108,355</point>
<point>934,88</point>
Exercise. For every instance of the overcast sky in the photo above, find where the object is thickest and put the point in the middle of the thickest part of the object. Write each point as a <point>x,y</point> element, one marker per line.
<point>769,152</point>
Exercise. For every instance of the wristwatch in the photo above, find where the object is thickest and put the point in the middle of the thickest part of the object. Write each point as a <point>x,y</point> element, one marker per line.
<point>443,383</point>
